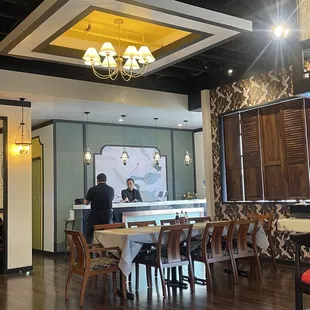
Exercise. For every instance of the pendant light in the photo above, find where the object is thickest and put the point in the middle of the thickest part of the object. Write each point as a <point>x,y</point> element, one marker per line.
<point>187,157</point>
<point>88,154</point>
<point>23,139</point>
<point>156,153</point>
<point>124,157</point>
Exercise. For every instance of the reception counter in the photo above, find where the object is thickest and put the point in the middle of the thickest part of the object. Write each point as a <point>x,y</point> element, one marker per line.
<point>143,211</point>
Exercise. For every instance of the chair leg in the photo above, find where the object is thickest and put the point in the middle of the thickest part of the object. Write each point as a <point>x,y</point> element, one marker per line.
<point>137,276</point>
<point>129,277</point>
<point>83,288</point>
<point>257,267</point>
<point>156,273</point>
<point>191,276</point>
<point>234,269</point>
<point>123,285</point>
<point>273,256</point>
<point>149,276</point>
<point>114,283</point>
<point>209,276</point>
<point>69,277</point>
<point>163,282</point>
<point>168,276</point>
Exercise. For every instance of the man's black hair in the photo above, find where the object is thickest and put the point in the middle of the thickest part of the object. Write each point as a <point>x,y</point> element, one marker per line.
<point>101,177</point>
<point>130,179</point>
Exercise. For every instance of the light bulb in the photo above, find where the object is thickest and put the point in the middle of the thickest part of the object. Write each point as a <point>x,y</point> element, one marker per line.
<point>187,158</point>
<point>157,158</point>
<point>124,157</point>
<point>23,149</point>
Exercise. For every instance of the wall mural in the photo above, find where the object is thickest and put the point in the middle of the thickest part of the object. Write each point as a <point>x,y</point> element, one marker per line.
<point>150,179</point>
<point>245,93</point>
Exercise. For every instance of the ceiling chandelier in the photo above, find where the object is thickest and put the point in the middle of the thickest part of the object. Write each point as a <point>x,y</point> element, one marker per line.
<point>132,64</point>
<point>156,156</point>
<point>87,155</point>
<point>23,138</point>
<point>124,157</point>
<point>187,158</point>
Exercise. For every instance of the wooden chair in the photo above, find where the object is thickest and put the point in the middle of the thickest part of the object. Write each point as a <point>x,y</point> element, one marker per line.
<point>141,224</point>
<point>242,249</point>
<point>144,248</point>
<point>169,222</point>
<point>82,264</point>
<point>109,226</point>
<point>302,280</point>
<point>266,221</point>
<point>212,250</point>
<point>202,219</point>
<point>172,235</point>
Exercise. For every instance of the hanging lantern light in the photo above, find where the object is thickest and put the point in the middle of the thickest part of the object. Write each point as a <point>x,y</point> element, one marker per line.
<point>124,157</point>
<point>187,158</point>
<point>156,156</point>
<point>23,140</point>
<point>88,157</point>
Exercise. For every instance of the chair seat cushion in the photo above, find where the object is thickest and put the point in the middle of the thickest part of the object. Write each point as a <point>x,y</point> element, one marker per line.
<point>103,262</point>
<point>197,254</point>
<point>151,257</point>
<point>305,278</point>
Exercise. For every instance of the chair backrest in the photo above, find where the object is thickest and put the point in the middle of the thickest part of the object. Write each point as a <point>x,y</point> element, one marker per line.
<point>213,235</point>
<point>173,235</point>
<point>264,219</point>
<point>169,222</point>
<point>141,224</point>
<point>202,219</point>
<point>109,226</point>
<point>243,233</point>
<point>79,252</point>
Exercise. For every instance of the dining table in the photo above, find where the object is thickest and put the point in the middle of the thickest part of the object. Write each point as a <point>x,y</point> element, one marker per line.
<point>131,240</point>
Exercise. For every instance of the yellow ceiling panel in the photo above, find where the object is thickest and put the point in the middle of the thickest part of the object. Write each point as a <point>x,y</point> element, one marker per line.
<point>99,27</point>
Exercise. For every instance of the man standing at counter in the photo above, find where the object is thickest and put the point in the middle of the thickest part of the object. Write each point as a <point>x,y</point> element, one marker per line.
<point>100,197</point>
<point>130,194</point>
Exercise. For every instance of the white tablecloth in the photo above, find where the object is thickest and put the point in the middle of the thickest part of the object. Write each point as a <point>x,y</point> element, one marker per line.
<point>294,225</point>
<point>131,240</point>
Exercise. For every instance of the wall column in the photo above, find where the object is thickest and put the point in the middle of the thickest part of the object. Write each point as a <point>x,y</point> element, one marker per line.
<point>207,144</point>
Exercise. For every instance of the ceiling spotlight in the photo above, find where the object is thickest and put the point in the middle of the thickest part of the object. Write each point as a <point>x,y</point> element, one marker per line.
<point>121,120</point>
<point>180,125</point>
<point>281,31</point>
<point>230,72</point>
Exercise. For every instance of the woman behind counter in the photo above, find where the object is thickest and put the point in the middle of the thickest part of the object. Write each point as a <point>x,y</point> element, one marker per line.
<point>130,194</point>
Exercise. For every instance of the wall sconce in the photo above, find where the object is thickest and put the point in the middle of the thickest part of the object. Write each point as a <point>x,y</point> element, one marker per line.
<point>88,157</point>
<point>23,139</point>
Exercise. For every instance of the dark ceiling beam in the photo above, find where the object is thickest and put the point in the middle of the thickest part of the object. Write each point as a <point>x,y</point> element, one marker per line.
<point>226,59</point>
<point>191,64</point>
<point>172,73</point>
<point>6,15</point>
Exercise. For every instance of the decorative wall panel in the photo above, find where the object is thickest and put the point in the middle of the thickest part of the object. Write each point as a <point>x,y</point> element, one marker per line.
<point>245,93</point>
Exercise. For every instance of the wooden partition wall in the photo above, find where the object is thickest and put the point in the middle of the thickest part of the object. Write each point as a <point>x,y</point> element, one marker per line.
<point>267,152</point>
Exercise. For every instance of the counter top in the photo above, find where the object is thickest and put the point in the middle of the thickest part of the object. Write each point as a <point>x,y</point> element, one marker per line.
<point>146,204</point>
<point>294,225</point>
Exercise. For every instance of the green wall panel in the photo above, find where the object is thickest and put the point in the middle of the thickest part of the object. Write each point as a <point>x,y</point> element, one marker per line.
<point>69,172</point>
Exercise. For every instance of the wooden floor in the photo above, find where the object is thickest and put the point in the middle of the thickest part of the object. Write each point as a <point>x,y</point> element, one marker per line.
<point>44,290</point>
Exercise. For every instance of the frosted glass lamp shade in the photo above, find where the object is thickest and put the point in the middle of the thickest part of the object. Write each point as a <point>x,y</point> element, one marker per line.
<point>131,65</point>
<point>145,55</point>
<point>131,52</point>
<point>109,62</point>
<point>107,49</point>
<point>91,57</point>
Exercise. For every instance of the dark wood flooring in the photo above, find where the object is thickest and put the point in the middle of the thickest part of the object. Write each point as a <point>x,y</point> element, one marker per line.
<point>44,290</point>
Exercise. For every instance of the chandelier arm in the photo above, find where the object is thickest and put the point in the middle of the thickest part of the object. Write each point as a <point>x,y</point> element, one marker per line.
<point>102,76</point>
<point>136,74</point>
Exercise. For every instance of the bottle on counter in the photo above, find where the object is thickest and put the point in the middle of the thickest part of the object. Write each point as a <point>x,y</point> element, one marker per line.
<point>182,219</point>
<point>186,218</point>
<point>177,219</point>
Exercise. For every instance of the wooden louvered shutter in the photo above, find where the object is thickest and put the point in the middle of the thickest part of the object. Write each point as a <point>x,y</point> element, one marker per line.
<point>251,155</point>
<point>232,157</point>
<point>272,152</point>
<point>295,149</point>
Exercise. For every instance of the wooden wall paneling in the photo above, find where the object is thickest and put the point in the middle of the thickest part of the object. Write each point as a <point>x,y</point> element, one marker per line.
<point>275,187</point>
<point>295,149</point>
<point>251,155</point>
<point>233,158</point>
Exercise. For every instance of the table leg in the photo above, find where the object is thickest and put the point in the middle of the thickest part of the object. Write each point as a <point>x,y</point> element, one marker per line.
<point>298,291</point>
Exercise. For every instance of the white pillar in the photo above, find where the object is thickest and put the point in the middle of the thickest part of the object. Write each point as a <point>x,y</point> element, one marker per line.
<point>207,143</point>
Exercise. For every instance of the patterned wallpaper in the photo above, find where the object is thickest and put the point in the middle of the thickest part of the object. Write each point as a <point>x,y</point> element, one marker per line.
<point>250,92</point>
